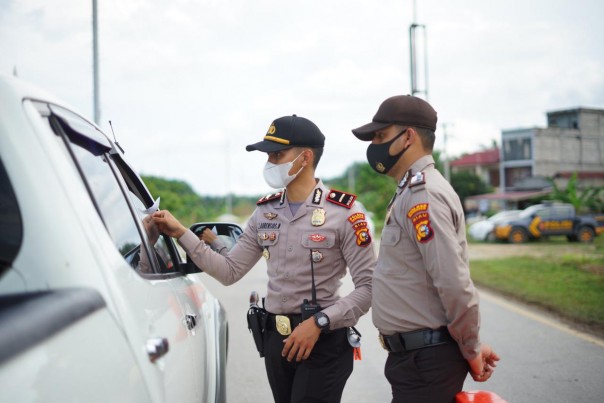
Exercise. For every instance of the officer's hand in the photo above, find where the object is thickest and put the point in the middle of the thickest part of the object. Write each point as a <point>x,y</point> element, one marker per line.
<point>300,343</point>
<point>482,367</point>
<point>168,224</point>
<point>208,236</point>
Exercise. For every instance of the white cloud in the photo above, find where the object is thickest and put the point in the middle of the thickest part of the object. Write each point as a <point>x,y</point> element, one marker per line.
<point>187,84</point>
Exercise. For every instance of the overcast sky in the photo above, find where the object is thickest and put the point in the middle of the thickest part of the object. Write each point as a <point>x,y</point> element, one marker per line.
<point>188,84</point>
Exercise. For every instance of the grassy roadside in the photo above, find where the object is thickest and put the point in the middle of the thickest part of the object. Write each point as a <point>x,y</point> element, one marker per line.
<point>569,285</point>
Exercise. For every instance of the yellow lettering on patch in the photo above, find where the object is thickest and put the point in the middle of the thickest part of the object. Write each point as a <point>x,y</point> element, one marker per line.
<point>416,209</point>
<point>356,217</point>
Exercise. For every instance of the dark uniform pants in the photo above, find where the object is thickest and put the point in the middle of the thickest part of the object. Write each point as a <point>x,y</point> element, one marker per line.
<point>320,378</point>
<point>428,375</point>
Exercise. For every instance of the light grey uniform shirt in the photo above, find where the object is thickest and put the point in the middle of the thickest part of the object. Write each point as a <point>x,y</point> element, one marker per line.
<point>339,240</point>
<point>422,278</point>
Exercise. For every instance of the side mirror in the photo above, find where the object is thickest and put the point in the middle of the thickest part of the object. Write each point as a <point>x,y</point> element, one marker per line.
<point>228,233</point>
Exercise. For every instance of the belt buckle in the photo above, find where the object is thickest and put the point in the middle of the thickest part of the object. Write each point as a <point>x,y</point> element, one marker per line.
<point>382,342</point>
<point>283,325</point>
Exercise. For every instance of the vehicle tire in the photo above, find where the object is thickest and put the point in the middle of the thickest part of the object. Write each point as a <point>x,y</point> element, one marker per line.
<point>586,234</point>
<point>518,235</point>
<point>572,238</point>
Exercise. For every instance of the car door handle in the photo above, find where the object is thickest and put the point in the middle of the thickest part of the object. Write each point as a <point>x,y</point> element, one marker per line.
<point>191,321</point>
<point>157,348</point>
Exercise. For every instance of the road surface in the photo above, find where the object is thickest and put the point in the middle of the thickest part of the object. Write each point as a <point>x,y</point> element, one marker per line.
<point>542,359</point>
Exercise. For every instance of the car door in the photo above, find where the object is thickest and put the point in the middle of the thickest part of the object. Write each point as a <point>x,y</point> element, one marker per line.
<point>147,288</point>
<point>195,300</point>
<point>556,220</point>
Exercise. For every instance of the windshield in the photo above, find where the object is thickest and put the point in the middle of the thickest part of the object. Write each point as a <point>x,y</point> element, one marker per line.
<point>531,210</point>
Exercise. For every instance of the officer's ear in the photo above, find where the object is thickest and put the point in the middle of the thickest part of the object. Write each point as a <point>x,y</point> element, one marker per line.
<point>308,157</point>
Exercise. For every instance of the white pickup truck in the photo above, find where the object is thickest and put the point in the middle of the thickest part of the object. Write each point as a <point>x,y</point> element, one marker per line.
<point>95,304</point>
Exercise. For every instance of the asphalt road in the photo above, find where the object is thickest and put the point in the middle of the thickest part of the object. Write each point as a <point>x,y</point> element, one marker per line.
<point>542,359</point>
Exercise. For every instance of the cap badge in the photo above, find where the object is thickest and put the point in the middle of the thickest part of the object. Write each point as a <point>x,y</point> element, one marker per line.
<point>318,217</point>
<point>270,216</point>
<point>271,130</point>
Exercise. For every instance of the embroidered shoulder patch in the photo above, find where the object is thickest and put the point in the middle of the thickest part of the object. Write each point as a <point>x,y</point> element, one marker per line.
<point>417,179</point>
<point>363,236</point>
<point>356,217</point>
<point>423,229</point>
<point>267,198</point>
<point>341,198</point>
<point>418,208</point>
<point>420,217</point>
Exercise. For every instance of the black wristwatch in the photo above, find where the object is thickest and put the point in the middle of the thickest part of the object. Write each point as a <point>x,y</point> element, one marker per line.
<point>322,321</point>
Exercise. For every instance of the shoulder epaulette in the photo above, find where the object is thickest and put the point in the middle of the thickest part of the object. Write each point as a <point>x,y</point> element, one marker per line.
<point>418,179</point>
<point>341,198</point>
<point>267,198</point>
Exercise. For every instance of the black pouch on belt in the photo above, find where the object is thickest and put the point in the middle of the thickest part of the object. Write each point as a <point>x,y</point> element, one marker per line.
<point>256,323</point>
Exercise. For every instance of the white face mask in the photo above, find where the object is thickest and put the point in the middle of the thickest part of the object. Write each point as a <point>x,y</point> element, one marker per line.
<point>277,175</point>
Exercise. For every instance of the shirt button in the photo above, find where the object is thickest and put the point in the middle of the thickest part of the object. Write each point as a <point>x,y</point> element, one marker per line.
<point>286,275</point>
<point>284,299</point>
<point>290,248</point>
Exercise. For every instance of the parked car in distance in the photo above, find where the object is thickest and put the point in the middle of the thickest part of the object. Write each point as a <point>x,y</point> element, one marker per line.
<point>548,219</point>
<point>484,230</point>
<point>95,304</point>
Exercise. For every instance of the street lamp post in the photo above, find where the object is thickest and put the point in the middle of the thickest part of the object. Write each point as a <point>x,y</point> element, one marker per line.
<point>95,63</point>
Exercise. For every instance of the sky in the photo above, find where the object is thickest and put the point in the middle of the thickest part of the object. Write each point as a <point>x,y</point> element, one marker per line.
<point>187,84</point>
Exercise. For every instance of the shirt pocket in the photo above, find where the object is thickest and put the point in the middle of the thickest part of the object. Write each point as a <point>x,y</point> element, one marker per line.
<point>268,238</point>
<point>391,235</point>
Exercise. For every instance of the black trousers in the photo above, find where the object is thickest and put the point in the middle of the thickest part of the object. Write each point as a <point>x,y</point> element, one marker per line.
<point>320,378</point>
<point>428,375</point>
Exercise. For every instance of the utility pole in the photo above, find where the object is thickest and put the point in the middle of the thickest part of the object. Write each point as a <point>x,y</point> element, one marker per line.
<point>414,30</point>
<point>446,156</point>
<point>229,197</point>
<point>95,63</point>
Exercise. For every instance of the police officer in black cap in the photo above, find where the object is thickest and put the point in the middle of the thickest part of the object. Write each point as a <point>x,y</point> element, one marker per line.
<point>425,305</point>
<point>309,235</point>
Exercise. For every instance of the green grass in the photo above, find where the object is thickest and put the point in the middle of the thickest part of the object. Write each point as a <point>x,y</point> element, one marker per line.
<point>571,285</point>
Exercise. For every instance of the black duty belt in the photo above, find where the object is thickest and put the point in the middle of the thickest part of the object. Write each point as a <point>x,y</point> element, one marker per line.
<point>416,339</point>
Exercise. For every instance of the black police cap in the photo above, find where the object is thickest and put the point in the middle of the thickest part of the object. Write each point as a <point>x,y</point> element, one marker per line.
<point>287,132</point>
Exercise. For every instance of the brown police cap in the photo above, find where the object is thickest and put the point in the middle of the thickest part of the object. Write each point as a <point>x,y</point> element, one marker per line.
<point>404,110</point>
<point>287,132</point>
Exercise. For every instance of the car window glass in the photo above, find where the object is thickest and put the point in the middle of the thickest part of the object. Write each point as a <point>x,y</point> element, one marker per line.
<point>113,207</point>
<point>11,227</point>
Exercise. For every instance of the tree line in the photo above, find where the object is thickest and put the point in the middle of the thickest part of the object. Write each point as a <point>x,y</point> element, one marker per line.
<point>373,190</point>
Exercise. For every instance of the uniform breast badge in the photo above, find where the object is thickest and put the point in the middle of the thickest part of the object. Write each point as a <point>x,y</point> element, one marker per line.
<point>316,256</point>
<point>318,217</point>
<point>270,216</point>
<point>283,325</point>
<point>266,254</point>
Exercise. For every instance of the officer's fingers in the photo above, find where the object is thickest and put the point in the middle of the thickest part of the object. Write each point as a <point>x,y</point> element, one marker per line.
<point>292,353</point>
<point>287,345</point>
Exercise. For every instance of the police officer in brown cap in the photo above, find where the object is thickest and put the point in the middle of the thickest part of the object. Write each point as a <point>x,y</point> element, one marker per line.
<point>425,306</point>
<point>309,235</point>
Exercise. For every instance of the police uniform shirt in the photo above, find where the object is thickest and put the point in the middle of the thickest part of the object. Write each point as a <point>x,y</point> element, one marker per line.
<point>422,277</point>
<point>335,233</point>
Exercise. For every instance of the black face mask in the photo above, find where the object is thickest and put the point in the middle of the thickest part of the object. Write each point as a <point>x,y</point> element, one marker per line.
<point>378,155</point>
